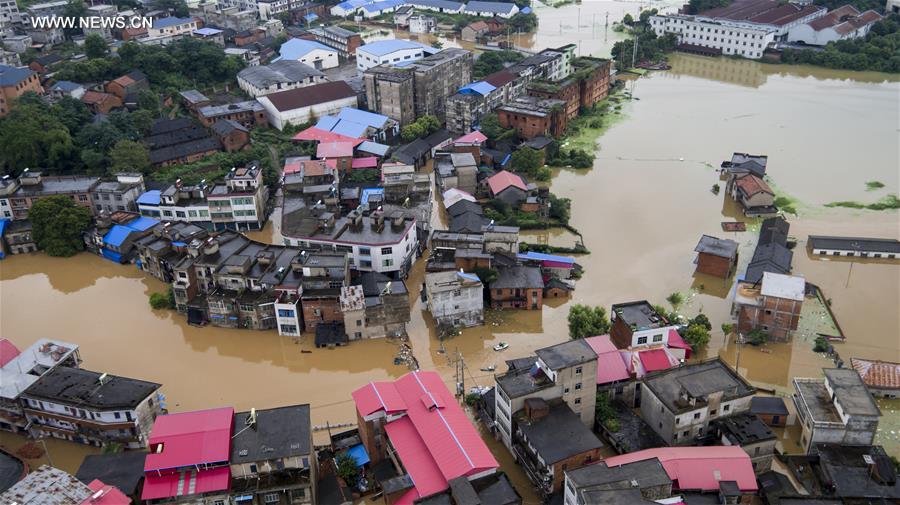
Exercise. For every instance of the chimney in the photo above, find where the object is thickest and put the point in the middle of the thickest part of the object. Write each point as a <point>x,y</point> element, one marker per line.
<point>536,409</point>
<point>211,246</point>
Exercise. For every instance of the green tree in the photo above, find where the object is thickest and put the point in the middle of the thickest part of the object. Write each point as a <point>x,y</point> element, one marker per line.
<point>644,18</point>
<point>696,335</point>
<point>585,321</point>
<point>95,46</point>
<point>523,22</point>
<point>347,469</point>
<point>490,127</point>
<point>527,160</point>
<point>757,337</point>
<point>628,20</point>
<point>487,275</point>
<point>603,411</point>
<point>675,300</point>
<point>71,112</point>
<point>148,100</point>
<point>31,136</point>
<point>159,301</point>
<point>702,320</point>
<point>178,8</point>
<point>696,6</point>
<point>129,156</point>
<point>74,9</point>
<point>58,224</point>
<point>560,208</point>
<point>727,328</point>
<point>421,127</point>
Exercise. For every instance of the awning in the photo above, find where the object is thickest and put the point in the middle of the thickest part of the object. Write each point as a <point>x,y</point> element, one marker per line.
<point>359,454</point>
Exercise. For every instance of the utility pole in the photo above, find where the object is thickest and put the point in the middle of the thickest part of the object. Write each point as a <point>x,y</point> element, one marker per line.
<point>739,340</point>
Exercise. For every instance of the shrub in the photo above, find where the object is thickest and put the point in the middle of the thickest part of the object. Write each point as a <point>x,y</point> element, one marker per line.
<point>159,301</point>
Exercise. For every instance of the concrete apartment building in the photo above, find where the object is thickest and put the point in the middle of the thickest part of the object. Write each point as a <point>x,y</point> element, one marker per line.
<point>750,434</point>
<point>679,403</point>
<point>632,483</point>
<point>567,370</point>
<point>249,113</point>
<point>20,369</point>
<point>15,82</point>
<point>344,41</point>
<point>637,324</point>
<point>837,409</point>
<point>588,85</point>
<point>91,408</point>
<point>118,195</point>
<point>30,187</point>
<point>455,298</point>
<point>241,203</point>
<point>390,91</point>
<point>374,306</point>
<point>773,307</point>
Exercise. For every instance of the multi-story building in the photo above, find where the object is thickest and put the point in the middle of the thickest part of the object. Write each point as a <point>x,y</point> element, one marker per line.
<point>455,299</point>
<point>9,15</point>
<point>532,116</point>
<point>92,408</point>
<point>15,82</point>
<point>375,242</point>
<point>586,85</point>
<point>750,434</point>
<point>323,276</point>
<point>30,187</point>
<point>272,457</point>
<point>743,28</point>
<point>518,287</point>
<point>634,482</point>
<point>179,202</point>
<point>374,306</point>
<point>567,371</point>
<point>240,204</point>
<point>636,324</point>
<point>20,370</point>
<point>279,76</point>
<point>837,409</point>
<point>101,11</point>
<point>679,403</point>
<point>773,306</point>
<point>345,41</point>
<point>165,30</point>
<point>118,195</point>
<point>391,91</point>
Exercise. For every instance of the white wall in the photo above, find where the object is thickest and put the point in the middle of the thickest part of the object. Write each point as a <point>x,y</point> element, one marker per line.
<point>400,251</point>
<point>749,42</point>
<point>279,119</point>
<point>366,60</point>
<point>320,59</point>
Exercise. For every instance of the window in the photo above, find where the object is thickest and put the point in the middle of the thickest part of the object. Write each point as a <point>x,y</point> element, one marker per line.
<point>685,433</point>
<point>285,313</point>
<point>657,338</point>
<point>712,412</point>
<point>365,251</point>
<point>253,468</point>
<point>387,263</point>
<point>642,340</point>
<point>696,415</point>
<point>726,408</point>
<point>117,415</point>
<point>270,498</point>
<point>578,370</point>
<point>179,213</point>
<point>219,502</point>
<point>386,250</point>
<point>577,401</point>
<point>677,421</point>
<point>578,386</point>
<point>82,198</point>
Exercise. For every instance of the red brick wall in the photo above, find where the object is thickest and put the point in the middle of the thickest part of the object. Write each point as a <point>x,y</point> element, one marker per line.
<point>570,94</point>
<point>508,299</point>
<point>577,461</point>
<point>329,311</point>
<point>533,126</point>
<point>714,265</point>
<point>620,333</point>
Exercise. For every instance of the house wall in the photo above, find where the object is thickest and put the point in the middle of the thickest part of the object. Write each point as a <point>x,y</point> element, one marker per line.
<point>558,470</point>
<point>463,309</point>
<point>778,317</point>
<point>717,266</point>
<point>526,299</point>
<point>320,59</point>
<point>391,98</point>
<point>320,310</point>
<point>761,199</point>
<point>689,423</point>
<point>8,94</point>
<point>280,119</point>
<point>530,126</point>
<point>773,420</point>
<point>366,60</point>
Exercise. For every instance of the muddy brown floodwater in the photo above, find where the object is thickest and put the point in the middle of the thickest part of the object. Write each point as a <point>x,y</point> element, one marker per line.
<point>641,210</point>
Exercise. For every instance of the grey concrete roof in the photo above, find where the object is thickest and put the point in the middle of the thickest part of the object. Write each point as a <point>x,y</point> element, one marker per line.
<point>768,405</point>
<point>698,380</point>
<point>280,72</point>
<point>519,276</point>
<point>76,386</point>
<point>851,392</point>
<point>647,473</point>
<point>559,435</point>
<point>125,470</point>
<point>566,354</point>
<point>856,244</point>
<point>717,247</point>
<point>744,429</point>
<point>639,314</point>
<point>278,433</point>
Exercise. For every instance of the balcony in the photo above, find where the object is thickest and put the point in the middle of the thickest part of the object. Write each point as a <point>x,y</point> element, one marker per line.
<point>537,473</point>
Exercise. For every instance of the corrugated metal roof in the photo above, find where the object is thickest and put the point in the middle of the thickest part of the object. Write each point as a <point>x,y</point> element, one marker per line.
<point>149,198</point>
<point>362,117</point>
<point>480,87</point>
<point>698,468</point>
<point>385,47</point>
<point>374,148</point>
<point>295,49</point>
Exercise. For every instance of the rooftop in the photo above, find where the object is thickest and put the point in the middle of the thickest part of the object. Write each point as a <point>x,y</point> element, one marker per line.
<point>519,382</point>
<point>47,486</point>
<point>295,49</point>
<point>533,106</point>
<point>124,470</point>
<point>858,471</point>
<point>850,392</point>
<point>310,95</point>
<point>438,282</point>
<point>743,429</point>
<point>52,185</point>
<point>566,354</point>
<point>503,180</point>
<point>698,468</point>
<point>559,435</point>
<point>24,369</point>
<point>280,72</point>
<point>770,12</point>
<point>724,248</point>
<point>518,277</point>
<point>385,47</point>
<point>878,374</point>
<point>282,432</point>
<point>190,438</point>
<point>675,387</point>
<point>646,472</point>
<point>768,405</point>
<point>170,21</point>
<point>476,6</point>
<point>76,386</point>
<point>610,365</point>
<point>12,76</point>
<point>855,244</point>
<point>639,315</point>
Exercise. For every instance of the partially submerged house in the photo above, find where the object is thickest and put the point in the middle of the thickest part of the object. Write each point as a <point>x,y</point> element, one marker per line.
<point>716,257</point>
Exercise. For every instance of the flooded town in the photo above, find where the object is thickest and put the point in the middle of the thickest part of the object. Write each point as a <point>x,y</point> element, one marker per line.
<point>429,252</point>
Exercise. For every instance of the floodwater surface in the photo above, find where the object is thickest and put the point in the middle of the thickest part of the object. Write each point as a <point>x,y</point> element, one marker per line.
<point>640,209</point>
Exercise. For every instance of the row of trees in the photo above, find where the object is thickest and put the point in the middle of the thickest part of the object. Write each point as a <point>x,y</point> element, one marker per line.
<point>878,51</point>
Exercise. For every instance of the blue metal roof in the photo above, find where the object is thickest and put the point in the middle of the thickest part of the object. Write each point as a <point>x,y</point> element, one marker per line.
<point>531,255</point>
<point>350,129</point>
<point>207,31</point>
<point>142,223</point>
<point>437,4</point>
<point>327,123</point>
<point>492,7</point>
<point>385,47</point>
<point>346,6</point>
<point>359,454</point>
<point>382,6</point>
<point>480,87</point>
<point>374,148</point>
<point>170,21</point>
<point>362,117</point>
<point>66,86</point>
<point>526,10</point>
<point>117,235</point>
<point>366,193</point>
<point>10,76</point>
<point>312,16</point>
<point>149,198</point>
<point>471,277</point>
<point>295,49</point>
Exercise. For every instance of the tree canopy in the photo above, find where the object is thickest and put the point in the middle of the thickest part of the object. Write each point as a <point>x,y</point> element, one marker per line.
<point>421,127</point>
<point>58,224</point>
<point>585,321</point>
<point>95,46</point>
<point>494,61</point>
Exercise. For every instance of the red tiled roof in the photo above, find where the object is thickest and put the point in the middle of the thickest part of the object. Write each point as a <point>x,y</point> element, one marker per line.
<point>105,495</point>
<point>476,137</point>
<point>311,168</point>
<point>499,78</point>
<point>478,25</point>
<point>368,162</point>
<point>610,365</point>
<point>334,149</point>
<point>858,22</point>
<point>762,11</point>
<point>190,438</point>
<point>8,351</point>
<point>310,95</point>
<point>833,17</point>
<point>435,440</point>
<point>878,374</point>
<point>698,468</point>
<point>504,179</point>
<point>751,185</point>
<point>92,97</point>
<point>654,360</point>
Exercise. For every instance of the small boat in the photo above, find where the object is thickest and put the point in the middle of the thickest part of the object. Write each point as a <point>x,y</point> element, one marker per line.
<point>501,346</point>
<point>489,368</point>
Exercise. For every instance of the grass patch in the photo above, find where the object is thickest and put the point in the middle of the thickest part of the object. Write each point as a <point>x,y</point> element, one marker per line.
<point>873,185</point>
<point>584,130</point>
<point>786,204</point>
<point>889,202</point>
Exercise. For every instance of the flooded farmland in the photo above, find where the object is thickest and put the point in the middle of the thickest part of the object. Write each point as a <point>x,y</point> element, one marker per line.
<point>641,210</point>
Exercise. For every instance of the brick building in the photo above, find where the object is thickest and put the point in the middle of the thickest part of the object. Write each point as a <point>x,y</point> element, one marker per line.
<point>14,82</point>
<point>773,306</point>
<point>249,114</point>
<point>716,257</point>
<point>532,116</point>
<point>518,287</point>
